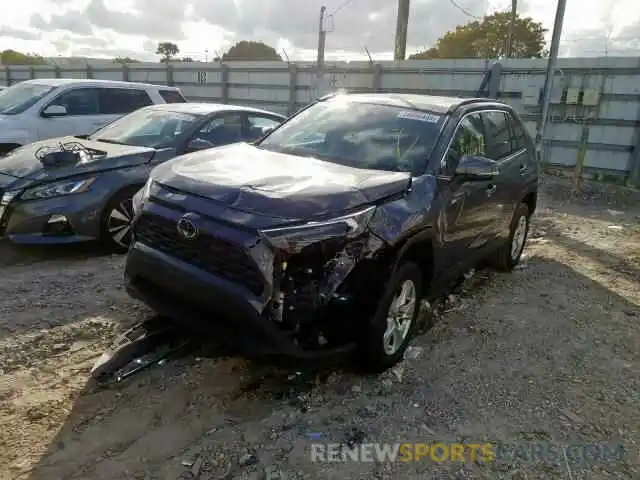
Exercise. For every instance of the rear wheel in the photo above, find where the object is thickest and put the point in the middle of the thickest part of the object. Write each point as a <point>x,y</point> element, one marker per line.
<point>394,322</point>
<point>508,256</point>
<point>116,223</point>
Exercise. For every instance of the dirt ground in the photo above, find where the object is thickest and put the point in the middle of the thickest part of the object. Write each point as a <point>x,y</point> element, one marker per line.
<point>547,353</point>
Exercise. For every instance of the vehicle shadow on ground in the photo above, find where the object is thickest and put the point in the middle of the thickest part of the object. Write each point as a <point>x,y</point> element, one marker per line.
<point>157,423</point>
<point>628,268</point>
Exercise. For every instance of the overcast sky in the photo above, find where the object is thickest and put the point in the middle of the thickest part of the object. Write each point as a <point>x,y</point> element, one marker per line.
<point>108,28</point>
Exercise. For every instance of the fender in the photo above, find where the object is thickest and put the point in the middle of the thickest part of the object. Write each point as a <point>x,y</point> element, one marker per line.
<point>425,235</point>
<point>19,137</point>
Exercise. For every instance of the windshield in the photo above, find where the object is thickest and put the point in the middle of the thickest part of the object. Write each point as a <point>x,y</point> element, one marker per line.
<point>18,98</point>
<point>146,128</point>
<point>361,135</point>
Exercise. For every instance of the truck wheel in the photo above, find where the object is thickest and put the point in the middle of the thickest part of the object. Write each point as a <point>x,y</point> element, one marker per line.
<point>393,324</point>
<point>117,216</point>
<point>508,256</point>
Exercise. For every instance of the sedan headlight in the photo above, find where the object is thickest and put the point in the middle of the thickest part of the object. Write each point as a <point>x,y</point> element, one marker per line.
<point>57,189</point>
<point>294,238</point>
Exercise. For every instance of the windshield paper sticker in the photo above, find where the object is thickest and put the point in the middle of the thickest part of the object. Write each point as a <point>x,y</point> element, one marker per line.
<point>420,116</point>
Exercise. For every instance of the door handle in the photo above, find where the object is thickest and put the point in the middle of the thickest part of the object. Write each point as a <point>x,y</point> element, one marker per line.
<point>491,189</point>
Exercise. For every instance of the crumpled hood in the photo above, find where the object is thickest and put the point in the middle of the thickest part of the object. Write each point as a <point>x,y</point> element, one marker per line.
<point>257,181</point>
<point>23,164</point>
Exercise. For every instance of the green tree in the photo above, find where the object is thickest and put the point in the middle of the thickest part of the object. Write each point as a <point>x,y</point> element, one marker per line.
<point>125,60</point>
<point>12,57</point>
<point>167,51</point>
<point>488,39</point>
<point>251,51</point>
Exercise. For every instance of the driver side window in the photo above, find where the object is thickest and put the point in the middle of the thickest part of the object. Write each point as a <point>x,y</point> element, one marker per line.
<point>222,130</point>
<point>469,139</point>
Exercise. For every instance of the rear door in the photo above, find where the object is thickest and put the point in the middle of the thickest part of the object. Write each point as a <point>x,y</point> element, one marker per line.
<point>116,102</point>
<point>507,147</point>
<point>467,222</point>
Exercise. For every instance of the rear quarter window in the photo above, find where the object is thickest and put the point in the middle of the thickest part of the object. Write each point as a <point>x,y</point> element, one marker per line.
<point>172,96</point>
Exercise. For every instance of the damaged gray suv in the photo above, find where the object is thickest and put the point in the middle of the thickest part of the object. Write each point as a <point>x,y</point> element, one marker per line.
<point>323,236</point>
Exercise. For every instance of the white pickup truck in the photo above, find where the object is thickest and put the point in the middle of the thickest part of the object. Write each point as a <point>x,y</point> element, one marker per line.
<point>38,109</point>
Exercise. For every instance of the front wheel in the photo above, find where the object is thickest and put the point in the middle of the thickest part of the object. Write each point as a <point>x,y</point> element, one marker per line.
<point>508,256</point>
<point>117,220</point>
<point>393,324</point>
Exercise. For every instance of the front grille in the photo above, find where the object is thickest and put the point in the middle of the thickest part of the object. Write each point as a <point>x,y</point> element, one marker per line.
<point>211,254</point>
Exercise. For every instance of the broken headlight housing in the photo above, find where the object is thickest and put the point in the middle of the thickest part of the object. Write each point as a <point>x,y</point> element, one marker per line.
<point>293,239</point>
<point>140,196</point>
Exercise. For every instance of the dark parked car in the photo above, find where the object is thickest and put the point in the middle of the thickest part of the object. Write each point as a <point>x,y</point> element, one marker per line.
<point>72,189</point>
<point>324,236</point>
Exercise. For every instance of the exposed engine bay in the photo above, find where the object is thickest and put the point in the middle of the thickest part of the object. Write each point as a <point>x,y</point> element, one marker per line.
<point>322,292</point>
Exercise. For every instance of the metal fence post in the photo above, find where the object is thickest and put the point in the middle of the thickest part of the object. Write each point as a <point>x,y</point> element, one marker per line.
<point>89,72</point>
<point>170,74</point>
<point>57,72</point>
<point>376,83</point>
<point>494,80</point>
<point>7,75</point>
<point>32,72</point>
<point>125,72</point>
<point>293,88</point>
<point>224,79</point>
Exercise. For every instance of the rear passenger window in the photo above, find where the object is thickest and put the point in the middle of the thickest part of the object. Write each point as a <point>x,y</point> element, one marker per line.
<point>122,100</point>
<point>498,135</point>
<point>172,96</point>
<point>518,135</point>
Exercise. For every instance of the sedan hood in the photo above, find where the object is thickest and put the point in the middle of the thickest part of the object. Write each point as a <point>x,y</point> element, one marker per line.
<point>247,178</point>
<point>24,164</point>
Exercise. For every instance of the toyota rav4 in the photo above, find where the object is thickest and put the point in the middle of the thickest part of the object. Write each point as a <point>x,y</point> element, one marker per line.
<point>323,236</point>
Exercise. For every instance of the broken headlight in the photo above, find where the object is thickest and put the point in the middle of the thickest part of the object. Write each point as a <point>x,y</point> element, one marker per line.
<point>140,196</point>
<point>294,238</point>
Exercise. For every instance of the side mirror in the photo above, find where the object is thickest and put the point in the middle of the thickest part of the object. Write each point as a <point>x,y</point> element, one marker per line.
<point>477,168</point>
<point>267,130</point>
<point>55,111</point>
<point>198,144</point>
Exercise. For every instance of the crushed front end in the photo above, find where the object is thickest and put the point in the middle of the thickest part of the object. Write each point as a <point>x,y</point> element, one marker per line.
<point>299,290</point>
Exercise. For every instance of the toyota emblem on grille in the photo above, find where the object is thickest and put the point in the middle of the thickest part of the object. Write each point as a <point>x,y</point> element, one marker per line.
<point>187,229</point>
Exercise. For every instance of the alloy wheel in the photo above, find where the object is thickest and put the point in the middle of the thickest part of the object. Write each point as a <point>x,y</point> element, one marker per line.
<point>119,222</point>
<point>519,237</point>
<point>399,317</point>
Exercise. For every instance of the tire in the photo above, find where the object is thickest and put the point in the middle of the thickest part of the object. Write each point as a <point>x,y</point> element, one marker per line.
<point>377,352</point>
<point>115,223</point>
<point>508,255</point>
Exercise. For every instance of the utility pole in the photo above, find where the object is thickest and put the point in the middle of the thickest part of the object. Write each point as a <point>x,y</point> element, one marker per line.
<point>402,26</point>
<point>551,67</point>
<point>322,37</point>
<point>512,24</point>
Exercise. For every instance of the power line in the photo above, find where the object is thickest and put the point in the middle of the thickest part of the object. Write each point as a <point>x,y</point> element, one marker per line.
<point>464,10</point>
<point>340,7</point>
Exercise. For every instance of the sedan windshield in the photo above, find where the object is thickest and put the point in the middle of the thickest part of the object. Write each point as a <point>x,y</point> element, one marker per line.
<point>361,135</point>
<point>18,98</point>
<point>146,128</point>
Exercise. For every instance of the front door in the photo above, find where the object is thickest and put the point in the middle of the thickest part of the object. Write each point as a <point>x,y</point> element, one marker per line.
<point>467,221</point>
<point>82,117</point>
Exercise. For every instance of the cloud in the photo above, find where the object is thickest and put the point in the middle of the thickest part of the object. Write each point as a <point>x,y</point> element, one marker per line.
<point>152,19</point>
<point>369,23</point>
<point>20,34</point>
